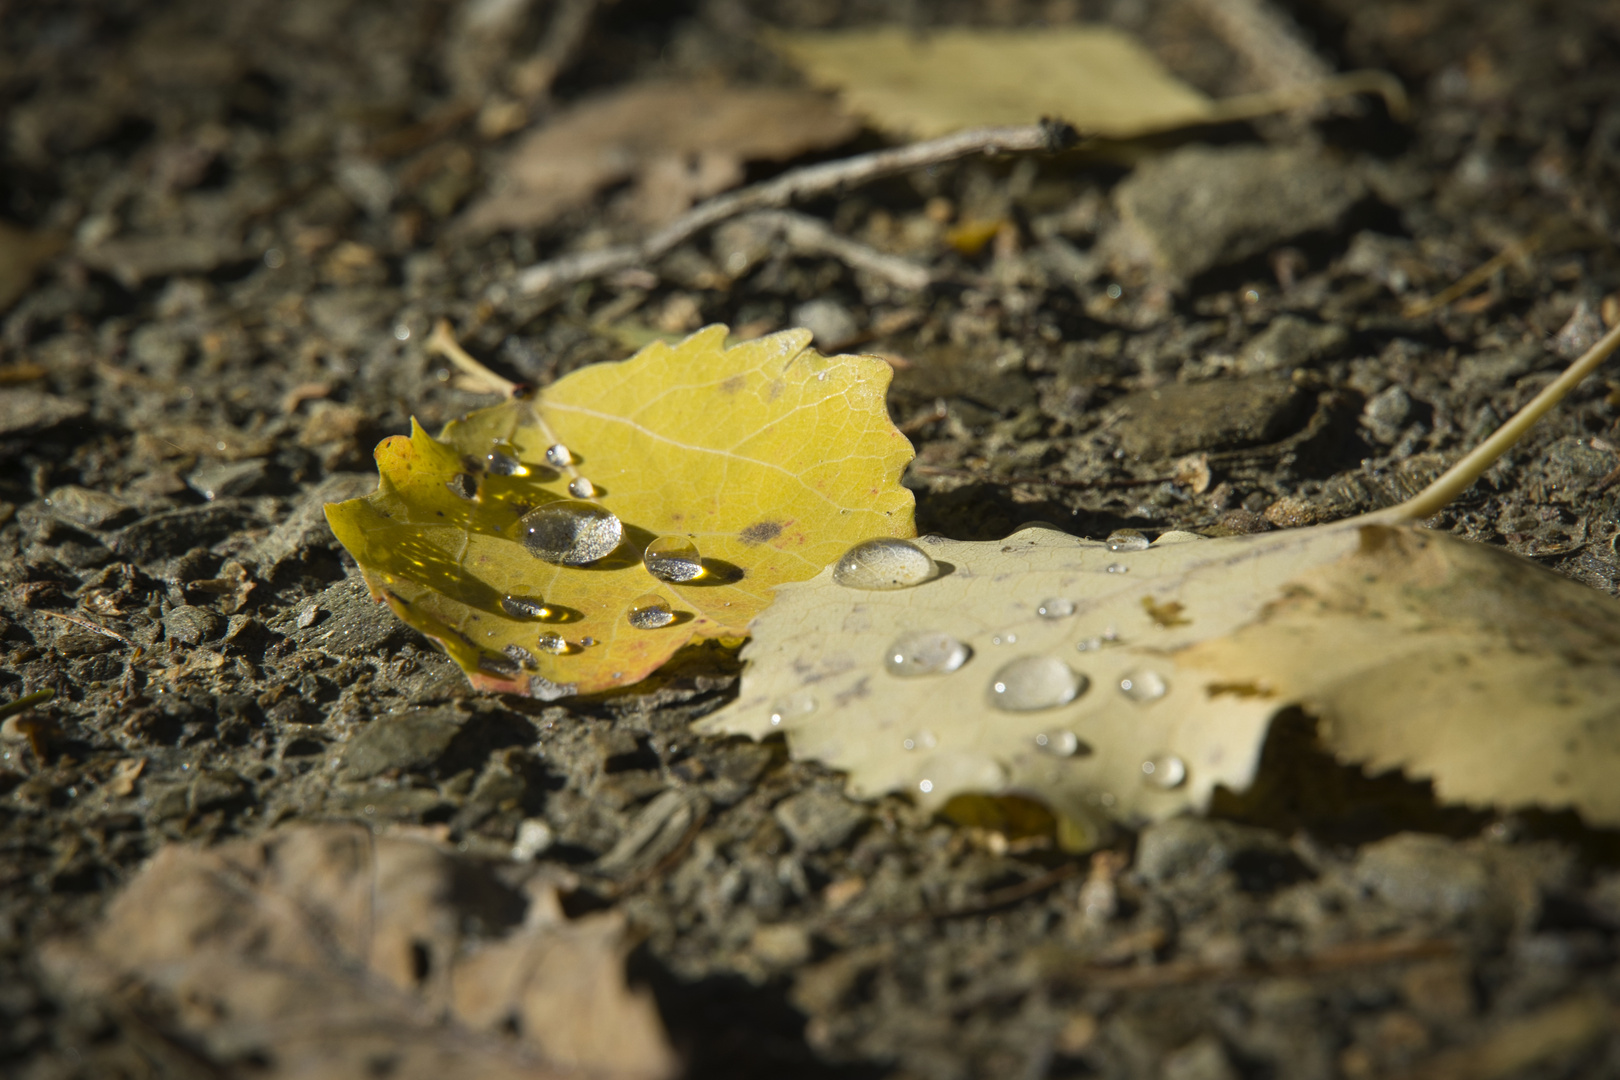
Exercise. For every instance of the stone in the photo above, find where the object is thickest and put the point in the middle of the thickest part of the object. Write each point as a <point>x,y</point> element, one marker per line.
<point>1386,413</point>
<point>1425,875</point>
<point>1290,342</point>
<point>353,317</point>
<point>1198,848</point>
<point>1202,1059</point>
<point>407,742</point>
<point>191,625</point>
<point>175,532</point>
<point>215,789</point>
<point>223,479</point>
<point>355,624</point>
<point>1201,207</point>
<point>818,820</point>
<point>830,322</point>
<point>161,350</point>
<point>305,525</point>
<point>87,508</point>
<point>23,412</point>
<point>134,259</point>
<point>1179,418</point>
<point>781,945</point>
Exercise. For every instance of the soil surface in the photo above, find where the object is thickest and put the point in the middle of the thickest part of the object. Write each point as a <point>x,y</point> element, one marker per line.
<point>245,217</point>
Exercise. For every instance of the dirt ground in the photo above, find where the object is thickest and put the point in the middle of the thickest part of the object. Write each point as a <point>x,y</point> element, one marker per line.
<point>256,205</point>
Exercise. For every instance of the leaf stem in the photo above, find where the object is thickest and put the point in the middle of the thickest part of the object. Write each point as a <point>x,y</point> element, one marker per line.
<point>442,342</point>
<point>1461,476</point>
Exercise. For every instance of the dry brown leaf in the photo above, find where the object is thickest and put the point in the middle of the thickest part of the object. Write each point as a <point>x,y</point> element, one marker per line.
<point>323,951</point>
<point>1098,79</point>
<point>680,142</point>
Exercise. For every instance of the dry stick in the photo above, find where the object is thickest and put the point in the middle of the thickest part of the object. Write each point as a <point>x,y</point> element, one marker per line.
<point>812,236</point>
<point>97,627</point>
<point>1475,277</point>
<point>803,183</point>
<point>1268,41</point>
<point>1457,479</point>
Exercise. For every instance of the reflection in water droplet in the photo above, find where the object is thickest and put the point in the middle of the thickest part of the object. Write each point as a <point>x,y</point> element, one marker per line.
<point>1143,685</point>
<point>570,533</point>
<point>673,558</point>
<point>522,656</point>
<point>1166,772</point>
<point>581,488</point>
<point>553,643</point>
<point>464,485</point>
<point>1127,540</point>
<point>1035,682</point>
<point>884,563</point>
<point>1061,743</point>
<point>1058,607</point>
<point>525,607</point>
<point>557,455</point>
<point>1118,568</point>
<point>792,707</point>
<point>925,786</point>
<point>925,652</point>
<point>650,612</point>
<point>490,664</point>
<point>503,461</point>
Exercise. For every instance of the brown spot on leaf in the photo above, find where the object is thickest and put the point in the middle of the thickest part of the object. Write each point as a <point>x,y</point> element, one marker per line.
<point>760,532</point>
<point>733,384</point>
<point>1250,689</point>
<point>1166,615</point>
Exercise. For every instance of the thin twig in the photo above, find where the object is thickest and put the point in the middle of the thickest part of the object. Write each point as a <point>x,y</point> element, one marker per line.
<point>26,702</point>
<point>792,186</point>
<point>812,236</point>
<point>97,627</point>
<point>1474,278</point>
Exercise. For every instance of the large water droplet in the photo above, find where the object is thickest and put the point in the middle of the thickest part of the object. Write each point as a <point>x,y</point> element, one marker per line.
<point>925,652</point>
<point>581,488</point>
<point>503,461</point>
<point>1058,607</point>
<point>524,607</point>
<point>553,643</point>
<point>791,707</point>
<point>650,612</point>
<point>1143,685</point>
<point>884,563</point>
<point>1164,771</point>
<point>1061,743</point>
<point>557,455</point>
<point>570,533</point>
<point>1127,540</point>
<point>1035,682</point>
<point>673,558</point>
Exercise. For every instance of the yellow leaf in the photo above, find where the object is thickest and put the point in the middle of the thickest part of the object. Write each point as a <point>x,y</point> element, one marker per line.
<point>769,457</point>
<point>1098,79</point>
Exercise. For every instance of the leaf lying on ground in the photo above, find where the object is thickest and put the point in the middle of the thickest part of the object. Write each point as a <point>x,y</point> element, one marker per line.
<point>679,142</point>
<point>769,457</point>
<point>321,951</point>
<point>1121,679</point>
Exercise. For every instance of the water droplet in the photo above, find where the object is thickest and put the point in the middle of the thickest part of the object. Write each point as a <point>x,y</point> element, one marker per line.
<point>522,656</point>
<point>1061,743</point>
<point>1127,540</point>
<point>525,607</point>
<point>1035,682</point>
<point>792,707</point>
<point>1004,639</point>
<point>925,786</point>
<point>553,643</point>
<point>650,612</point>
<point>581,488</point>
<point>464,485</point>
<point>570,533</point>
<point>1143,685</point>
<point>1176,536</point>
<point>1058,607</point>
<point>586,642</point>
<point>503,461</point>
<point>557,455</point>
<point>925,652</point>
<point>1118,568</point>
<point>884,563</point>
<point>673,558</point>
<point>1165,772</point>
<point>923,740</point>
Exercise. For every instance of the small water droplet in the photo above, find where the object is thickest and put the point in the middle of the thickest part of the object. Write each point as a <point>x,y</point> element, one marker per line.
<point>1004,639</point>
<point>650,612</point>
<point>557,455</point>
<point>1118,568</point>
<point>503,461</point>
<point>884,563</point>
<point>1058,607</point>
<point>586,642</point>
<point>525,607</point>
<point>1061,743</point>
<point>1127,540</point>
<point>570,533</point>
<point>925,652</point>
<point>673,558</point>
<point>1165,772</point>
<point>522,656</point>
<point>1143,685</point>
<point>581,488</point>
<point>553,643</point>
<point>464,485</point>
<point>792,707</point>
<point>909,744</point>
<point>1035,682</point>
<point>925,786</point>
